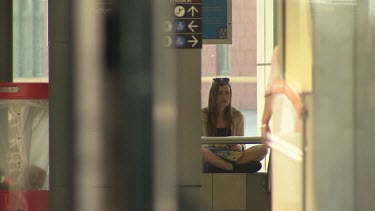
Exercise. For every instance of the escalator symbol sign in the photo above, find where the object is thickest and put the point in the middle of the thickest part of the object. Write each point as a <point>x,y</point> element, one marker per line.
<point>179,11</point>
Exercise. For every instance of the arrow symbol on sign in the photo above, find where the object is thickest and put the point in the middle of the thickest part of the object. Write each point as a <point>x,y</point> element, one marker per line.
<point>191,26</point>
<point>194,41</point>
<point>192,10</point>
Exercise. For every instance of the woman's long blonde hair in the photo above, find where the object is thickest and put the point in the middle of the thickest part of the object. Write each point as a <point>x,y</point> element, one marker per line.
<point>212,109</point>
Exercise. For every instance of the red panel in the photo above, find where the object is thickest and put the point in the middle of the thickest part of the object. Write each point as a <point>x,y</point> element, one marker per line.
<point>3,200</point>
<point>23,90</point>
<point>32,200</point>
<point>37,200</point>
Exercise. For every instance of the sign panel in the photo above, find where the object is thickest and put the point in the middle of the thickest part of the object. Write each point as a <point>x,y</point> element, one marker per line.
<point>183,40</point>
<point>183,28</point>
<point>217,21</point>
<point>187,11</point>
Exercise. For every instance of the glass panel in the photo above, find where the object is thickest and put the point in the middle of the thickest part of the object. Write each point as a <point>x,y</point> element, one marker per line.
<point>30,48</point>
<point>237,61</point>
<point>246,62</point>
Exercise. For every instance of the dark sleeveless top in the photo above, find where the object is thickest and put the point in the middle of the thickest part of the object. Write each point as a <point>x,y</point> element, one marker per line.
<point>223,131</point>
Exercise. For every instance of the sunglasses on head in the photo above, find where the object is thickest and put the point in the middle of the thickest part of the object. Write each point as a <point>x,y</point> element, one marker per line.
<point>221,80</point>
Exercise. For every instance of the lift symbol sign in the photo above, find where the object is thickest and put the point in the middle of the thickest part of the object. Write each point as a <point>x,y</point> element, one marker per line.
<point>183,28</point>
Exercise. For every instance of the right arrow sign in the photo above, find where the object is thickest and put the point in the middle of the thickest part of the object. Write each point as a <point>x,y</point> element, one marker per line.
<point>194,41</point>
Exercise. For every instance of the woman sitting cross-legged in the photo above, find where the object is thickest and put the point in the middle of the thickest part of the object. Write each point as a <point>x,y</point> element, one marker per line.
<point>221,119</point>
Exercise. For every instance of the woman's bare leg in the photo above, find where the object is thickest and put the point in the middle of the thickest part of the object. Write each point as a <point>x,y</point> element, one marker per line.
<point>215,160</point>
<point>255,153</point>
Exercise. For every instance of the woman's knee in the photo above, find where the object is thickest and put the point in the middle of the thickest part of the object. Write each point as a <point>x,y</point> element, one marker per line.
<point>263,149</point>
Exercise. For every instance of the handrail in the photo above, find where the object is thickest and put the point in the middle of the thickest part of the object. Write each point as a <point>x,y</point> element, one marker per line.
<point>232,139</point>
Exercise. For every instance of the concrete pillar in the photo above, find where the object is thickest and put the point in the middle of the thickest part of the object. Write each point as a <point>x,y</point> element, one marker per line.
<point>6,41</point>
<point>364,103</point>
<point>61,105</point>
<point>333,102</point>
<point>129,105</point>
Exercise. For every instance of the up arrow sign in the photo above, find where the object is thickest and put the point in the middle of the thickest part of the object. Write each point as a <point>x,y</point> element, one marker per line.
<point>192,10</point>
<point>191,26</point>
<point>194,41</point>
